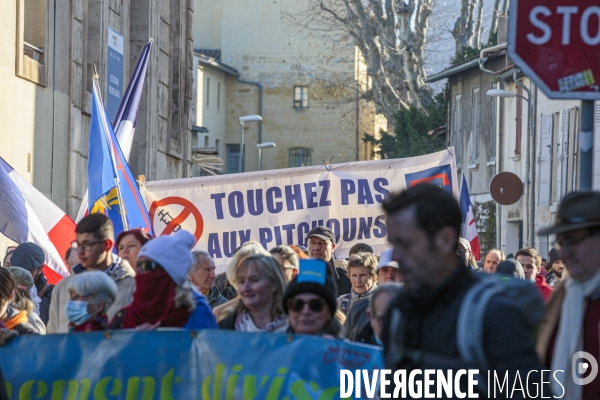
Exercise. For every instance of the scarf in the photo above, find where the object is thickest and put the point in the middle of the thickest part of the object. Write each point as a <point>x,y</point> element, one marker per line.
<point>570,336</point>
<point>19,318</point>
<point>99,323</point>
<point>244,323</point>
<point>153,301</point>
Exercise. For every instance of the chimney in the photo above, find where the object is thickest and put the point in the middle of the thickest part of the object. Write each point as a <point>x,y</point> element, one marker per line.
<point>502,28</point>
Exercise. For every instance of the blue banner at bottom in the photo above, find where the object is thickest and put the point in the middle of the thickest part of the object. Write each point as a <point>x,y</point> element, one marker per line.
<point>169,365</point>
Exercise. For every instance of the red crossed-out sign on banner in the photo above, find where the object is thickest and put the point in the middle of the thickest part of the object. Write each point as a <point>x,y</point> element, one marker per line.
<point>172,223</point>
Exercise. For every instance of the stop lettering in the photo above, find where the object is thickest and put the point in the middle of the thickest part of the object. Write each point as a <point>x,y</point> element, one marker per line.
<point>587,21</point>
<point>556,43</point>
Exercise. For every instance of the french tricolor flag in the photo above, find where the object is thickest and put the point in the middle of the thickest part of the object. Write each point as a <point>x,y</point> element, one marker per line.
<point>26,215</point>
<point>469,231</point>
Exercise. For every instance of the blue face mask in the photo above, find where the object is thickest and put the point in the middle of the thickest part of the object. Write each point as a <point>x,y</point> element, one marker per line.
<point>77,311</point>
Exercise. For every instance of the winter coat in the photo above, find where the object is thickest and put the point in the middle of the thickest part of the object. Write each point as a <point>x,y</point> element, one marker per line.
<point>214,297</point>
<point>543,287</point>
<point>27,326</point>
<point>119,270</point>
<point>202,316</point>
<point>426,325</point>
<point>356,321</point>
<point>44,290</point>
<point>346,301</point>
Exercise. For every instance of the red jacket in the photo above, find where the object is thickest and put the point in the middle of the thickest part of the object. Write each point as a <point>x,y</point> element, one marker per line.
<point>543,287</point>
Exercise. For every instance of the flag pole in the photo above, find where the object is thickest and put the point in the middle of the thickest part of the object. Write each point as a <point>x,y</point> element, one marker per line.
<point>112,154</point>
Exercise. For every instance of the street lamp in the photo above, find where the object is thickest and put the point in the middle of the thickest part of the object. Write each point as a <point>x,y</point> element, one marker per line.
<point>247,118</point>
<point>261,146</point>
<point>530,147</point>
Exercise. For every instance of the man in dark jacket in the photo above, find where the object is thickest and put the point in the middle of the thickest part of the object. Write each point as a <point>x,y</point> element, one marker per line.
<point>420,328</point>
<point>321,243</point>
<point>31,257</point>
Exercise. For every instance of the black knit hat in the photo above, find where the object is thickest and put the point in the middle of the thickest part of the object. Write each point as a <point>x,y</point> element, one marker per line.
<point>326,291</point>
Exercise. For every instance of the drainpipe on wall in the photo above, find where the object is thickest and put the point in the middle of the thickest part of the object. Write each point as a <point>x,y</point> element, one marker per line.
<point>260,93</point>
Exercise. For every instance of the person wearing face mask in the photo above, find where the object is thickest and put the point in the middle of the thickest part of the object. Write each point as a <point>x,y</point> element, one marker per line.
<point>22,298</point>
<point>31,257</point>
<point>163,297</point>
<point>13,319</point>
<point>91,294</point>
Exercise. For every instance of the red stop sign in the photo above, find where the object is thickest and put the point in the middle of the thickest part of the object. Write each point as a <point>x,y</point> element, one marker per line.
<point>557,44</point>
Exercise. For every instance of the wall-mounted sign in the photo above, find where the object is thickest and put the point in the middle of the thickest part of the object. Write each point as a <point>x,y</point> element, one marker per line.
<point>114,71</point>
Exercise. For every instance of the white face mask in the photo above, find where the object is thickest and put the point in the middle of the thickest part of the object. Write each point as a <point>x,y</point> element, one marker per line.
<point>33,295</point>
<point>77,311</point>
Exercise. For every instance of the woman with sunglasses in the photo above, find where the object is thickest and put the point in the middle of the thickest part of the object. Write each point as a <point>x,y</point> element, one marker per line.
<point>260,284</point>
<point>162,297</point>
<point>310,303</point>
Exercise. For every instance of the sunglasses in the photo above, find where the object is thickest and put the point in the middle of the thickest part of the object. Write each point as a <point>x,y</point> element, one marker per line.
<point>148,265</point>
<point>315,305</point>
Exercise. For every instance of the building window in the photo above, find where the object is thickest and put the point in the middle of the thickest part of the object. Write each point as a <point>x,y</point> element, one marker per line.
<point>300,96</point>
<point>218,96</point>
<point>217,146</point>
<point>31,40</point>
<point>233,158</point>
<point>206,141</point>
<point>300,157</point>
<point>207,92</point>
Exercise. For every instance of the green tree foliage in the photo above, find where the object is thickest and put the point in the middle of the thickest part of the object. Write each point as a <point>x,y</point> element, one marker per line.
<point>485,220</point>
<point>411,128</point>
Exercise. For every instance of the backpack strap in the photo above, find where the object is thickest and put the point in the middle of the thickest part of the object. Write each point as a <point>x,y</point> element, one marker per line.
<point>469,332</point>
<point>43,290</point>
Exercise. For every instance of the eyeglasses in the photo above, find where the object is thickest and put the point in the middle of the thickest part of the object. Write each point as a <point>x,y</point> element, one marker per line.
<point>148,265</point>
<point>573,241</point>
<point>315,305</point>
<point>87,247</point>
<point>461,252</point>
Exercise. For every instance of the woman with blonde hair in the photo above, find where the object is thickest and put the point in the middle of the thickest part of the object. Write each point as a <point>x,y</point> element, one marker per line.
<point>260,284</point>
<point>244,251</point>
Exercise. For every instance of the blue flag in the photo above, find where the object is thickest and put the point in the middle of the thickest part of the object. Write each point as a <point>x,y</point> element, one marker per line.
<point>122,203</point>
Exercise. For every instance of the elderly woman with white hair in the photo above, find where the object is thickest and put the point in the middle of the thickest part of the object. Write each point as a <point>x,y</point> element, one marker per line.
<point>92,293</point>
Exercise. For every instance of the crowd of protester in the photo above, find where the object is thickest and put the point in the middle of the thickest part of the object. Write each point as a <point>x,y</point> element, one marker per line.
<point>140,282</point>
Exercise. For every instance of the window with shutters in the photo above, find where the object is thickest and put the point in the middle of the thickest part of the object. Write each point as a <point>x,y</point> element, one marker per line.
<point>474,139</point>
<point>519,121</point>
<point>457,128</point>
<point>562,149</point>
<point>596,162</point>
<point>545,160</point>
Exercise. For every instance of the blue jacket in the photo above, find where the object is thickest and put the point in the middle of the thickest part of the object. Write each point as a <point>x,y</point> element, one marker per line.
<point>202,317</point>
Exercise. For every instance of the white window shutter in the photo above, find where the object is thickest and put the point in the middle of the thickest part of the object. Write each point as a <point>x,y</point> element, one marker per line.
<point>596,182</point>
<point>545,160</point>
<point>561,154</point>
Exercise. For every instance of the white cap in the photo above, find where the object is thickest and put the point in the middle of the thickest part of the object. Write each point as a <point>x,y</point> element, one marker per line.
<point>385,260</point>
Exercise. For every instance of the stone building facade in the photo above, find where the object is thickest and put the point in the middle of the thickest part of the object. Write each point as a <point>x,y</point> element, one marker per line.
<point>48,49</point>
<point>305,88</point>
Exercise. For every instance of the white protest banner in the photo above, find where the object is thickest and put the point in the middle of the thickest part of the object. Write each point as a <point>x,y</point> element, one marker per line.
<point>280,206</point>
